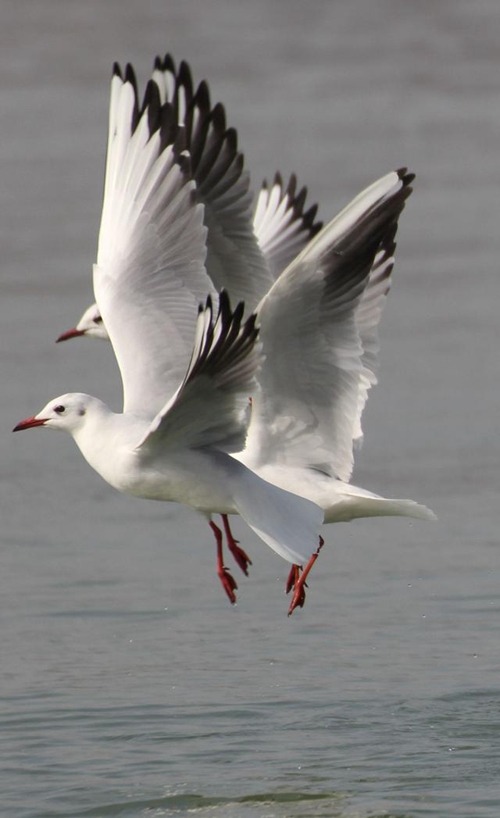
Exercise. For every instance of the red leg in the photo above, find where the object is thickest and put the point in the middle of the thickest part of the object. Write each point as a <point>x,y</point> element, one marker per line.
<point>239,555</point>
<point>299,585</point>
<point>228,582</point>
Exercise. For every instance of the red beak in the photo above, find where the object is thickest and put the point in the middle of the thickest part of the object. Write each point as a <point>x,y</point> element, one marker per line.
<point>29,423</point>
<point>70,333</point>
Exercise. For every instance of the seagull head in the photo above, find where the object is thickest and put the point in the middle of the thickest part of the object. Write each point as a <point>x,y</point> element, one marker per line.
<point>68,413</point>
<point>90,325</point>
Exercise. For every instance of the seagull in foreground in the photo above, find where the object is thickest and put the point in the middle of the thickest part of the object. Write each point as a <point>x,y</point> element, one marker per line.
<point>187,373</point>
<point>318,321</point>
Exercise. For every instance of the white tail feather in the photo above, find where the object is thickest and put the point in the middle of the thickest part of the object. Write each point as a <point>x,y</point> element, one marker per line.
<point>351,506</point>
<point>287,523</point>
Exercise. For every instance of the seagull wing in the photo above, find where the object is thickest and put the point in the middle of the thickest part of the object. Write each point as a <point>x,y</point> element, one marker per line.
<point>315,372</point>
<point>235,261</point>
<point>211,407</point>
<point>246,250</point>
<point>150,275</point>
<point>281,223</point>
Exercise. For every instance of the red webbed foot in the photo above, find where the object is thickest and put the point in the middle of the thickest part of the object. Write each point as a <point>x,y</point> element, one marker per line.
<point>293,578</point>
<point>228,583</point>
<point>297,581</point>
<point>240,556</point>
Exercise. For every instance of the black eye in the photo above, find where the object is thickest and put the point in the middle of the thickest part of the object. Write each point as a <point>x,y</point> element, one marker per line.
<point>98,319</point>
<point>59,409</point>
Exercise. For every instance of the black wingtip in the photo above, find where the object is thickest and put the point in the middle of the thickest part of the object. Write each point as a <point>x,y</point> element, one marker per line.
<point>201,98</point>
<point>231,137</point>
<point>297,201</point>
<point>170,131</point>
<point>167,63</point>
<point>184,75</point>
<point>292,187</point>
<point>130,76</point>
<point>308,220</point>
<point>406,176</point>
<point>151,102</point>
<point>219,118</point>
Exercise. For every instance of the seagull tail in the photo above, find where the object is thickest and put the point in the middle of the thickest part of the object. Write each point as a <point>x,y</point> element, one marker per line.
<point>287,523</point>
<point>370,505</point>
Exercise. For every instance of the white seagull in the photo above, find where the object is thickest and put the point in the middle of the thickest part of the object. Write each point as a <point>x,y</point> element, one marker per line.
<point>318,322</point>
<point>187,374</point>
<point>247,247</point>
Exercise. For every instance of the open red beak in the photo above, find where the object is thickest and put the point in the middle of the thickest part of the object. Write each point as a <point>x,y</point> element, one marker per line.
<point>70,333</point>
<point>29,423</point>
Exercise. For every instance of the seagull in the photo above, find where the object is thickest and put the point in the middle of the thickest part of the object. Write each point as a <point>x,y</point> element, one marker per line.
<point>318,298</point>
<point>247,248</point>
<point>187,372</point>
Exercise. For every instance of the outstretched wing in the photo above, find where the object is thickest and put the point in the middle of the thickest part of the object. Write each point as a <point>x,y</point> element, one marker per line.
<point>246,249</point>
<point>211,407</point>
<point>316,373</point>
<point>281,223</point>
<point>150,274</point>
<point>235,260</point>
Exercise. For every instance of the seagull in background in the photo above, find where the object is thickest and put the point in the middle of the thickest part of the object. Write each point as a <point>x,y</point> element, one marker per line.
<point>247,247</point>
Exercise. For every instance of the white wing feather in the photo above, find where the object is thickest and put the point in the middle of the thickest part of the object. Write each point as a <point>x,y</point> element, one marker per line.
<point>150,275</point>
<point>281,224</point>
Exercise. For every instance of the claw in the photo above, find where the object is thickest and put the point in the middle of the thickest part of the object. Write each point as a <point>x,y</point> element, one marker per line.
<point>298,599</point>
<point>240,556</point>
<point>228,583</point>
<point>242,559</point>
<point>293,578</point>
<point>299,582</point>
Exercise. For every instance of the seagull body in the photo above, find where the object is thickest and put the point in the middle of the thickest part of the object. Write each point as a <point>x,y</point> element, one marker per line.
<point>206,479</point>
<point>179,454</point>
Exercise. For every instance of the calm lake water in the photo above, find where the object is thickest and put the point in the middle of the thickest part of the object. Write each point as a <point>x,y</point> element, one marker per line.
<point>128,685</point>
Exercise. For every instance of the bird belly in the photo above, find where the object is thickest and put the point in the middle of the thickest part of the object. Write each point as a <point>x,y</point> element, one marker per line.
<point>189,477</point>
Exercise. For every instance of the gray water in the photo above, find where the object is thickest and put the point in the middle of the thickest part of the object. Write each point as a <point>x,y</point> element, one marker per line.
<point>128,684</point>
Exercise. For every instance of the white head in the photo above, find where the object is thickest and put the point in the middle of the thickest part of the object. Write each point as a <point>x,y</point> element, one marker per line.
<point>68,413</point>
<point>90,325</point>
